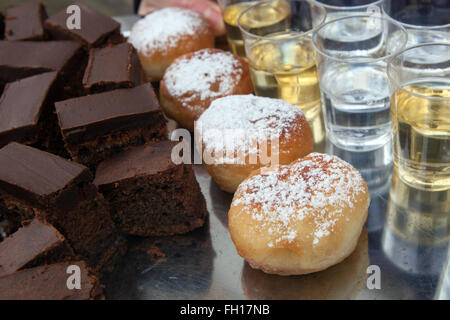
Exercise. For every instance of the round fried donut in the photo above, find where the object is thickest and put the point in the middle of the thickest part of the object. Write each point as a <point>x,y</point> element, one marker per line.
<point>299,218</point>
<point>165,34</point>
<point>240,133</point>
<point>343,281</point>
<point>195,79</point>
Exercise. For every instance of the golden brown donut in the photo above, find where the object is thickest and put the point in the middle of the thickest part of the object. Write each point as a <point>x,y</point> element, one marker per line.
<point>343,281</point>
<point>240,133</point>
<point>195,79</point>
<point>299,218</point>
<point>165,34</point>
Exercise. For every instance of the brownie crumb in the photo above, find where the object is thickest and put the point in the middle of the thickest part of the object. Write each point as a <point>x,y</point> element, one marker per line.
<point>155,253</point>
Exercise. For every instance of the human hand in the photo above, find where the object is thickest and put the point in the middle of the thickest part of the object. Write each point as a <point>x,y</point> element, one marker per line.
<point>209,10</point>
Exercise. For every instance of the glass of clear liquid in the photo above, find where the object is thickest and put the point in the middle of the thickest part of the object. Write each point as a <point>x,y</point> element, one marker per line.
<point>277,41</point>
<point>420,87</point>
<point>425,21</point>
<point>352,55</point>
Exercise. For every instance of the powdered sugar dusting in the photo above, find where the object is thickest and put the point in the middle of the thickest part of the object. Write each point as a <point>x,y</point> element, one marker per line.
<point>317,188</point>
<point>163,28</point>
<point>242,123</point>
<point>203,75</point>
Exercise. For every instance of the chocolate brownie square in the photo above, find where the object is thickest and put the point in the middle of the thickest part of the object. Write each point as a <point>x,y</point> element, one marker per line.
<point>26,111</point>
<point>96,29</point>
<point>21,59</point>
<point>49,282</point>
<point>2,26</point>
<point>112,68</point>
<point>97,126</point>
<point>149,194</point>
<point>61,192</point>
<point>25,21</point>
<point>36,243</point>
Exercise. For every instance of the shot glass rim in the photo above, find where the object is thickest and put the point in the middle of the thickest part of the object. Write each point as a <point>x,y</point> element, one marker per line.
<point>360,60</point>
<point>342,8</point>
<point>223,6</point>
<point>398,86</point>
<point>300,34</point>
<point>413,26</point>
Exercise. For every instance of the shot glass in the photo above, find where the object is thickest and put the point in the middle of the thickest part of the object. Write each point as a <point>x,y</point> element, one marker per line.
<point>352,55</point>
<point>342,8</point>
<point>420,87</point>
<point>277,41</point>
<point>231,10</point>
<point>425,21</point>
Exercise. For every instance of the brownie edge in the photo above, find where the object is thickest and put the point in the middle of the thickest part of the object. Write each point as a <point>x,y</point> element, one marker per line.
<point>50,282</point>
<point>149,195</point>
<point>36,243</point>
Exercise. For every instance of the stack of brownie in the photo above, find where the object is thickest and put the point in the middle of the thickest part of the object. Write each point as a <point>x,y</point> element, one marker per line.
<point>74,103</point>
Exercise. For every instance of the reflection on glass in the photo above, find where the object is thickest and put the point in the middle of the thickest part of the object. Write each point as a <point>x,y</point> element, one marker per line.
<point>342,281</point>
<point>417,229</point>
<point>443,291</point>
<point>376,168</point>
<point>374,165</point>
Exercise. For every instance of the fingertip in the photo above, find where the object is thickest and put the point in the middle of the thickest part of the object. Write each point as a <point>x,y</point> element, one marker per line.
<point>214,16</point>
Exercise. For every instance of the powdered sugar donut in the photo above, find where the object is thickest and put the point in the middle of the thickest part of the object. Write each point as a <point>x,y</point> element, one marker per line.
<point>343,281</point>
<point>166,34</point>
<point>241,133</point>
<point>195,79</point>
<point>299,218</point>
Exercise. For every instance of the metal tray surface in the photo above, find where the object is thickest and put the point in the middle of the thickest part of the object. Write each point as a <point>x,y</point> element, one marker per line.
<point>406,237</point>
<point>408,245</point>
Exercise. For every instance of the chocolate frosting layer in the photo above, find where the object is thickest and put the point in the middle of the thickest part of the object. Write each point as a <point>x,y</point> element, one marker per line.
<point>32,175</point>
<point>115,64</point>
<point>49,282</point>
<point>144,160</point>
<point>21,105</point>
<point>94,25</point>
<point>26,244</point>
<point>25,21</point>
<point>19,59</point>
<point>95,115</point>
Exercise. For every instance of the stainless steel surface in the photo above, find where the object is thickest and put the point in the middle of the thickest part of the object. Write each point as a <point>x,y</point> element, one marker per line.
<point>407,237</point>
<point>126,23</point>
<point>205,265</point>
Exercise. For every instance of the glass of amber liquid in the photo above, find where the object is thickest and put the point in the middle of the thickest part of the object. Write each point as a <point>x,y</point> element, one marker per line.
<point>277,41</point>
<point>232,9</point>
<point>420,108</point>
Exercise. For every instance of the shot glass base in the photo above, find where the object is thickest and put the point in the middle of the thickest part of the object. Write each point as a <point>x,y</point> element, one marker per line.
<point>427,178</point>
<point>357,141</point>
